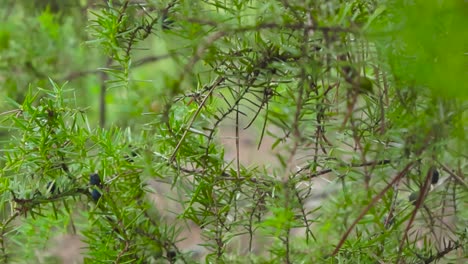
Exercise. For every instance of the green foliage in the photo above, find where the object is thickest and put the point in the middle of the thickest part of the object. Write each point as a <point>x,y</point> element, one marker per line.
<point>429,53</point>
<point>344,93</point>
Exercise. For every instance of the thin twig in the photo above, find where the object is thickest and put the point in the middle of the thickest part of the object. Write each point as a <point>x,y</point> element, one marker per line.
<point>202,104</point>
<point>422,195</point>
<point>455,176</point>
<point>370,205</point>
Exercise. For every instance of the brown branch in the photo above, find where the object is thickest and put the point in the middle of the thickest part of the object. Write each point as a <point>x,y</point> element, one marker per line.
<point>293,26</point>
<point>422,195</point>
<point>455,176</point>
<point>370,205</point>
<point>102,95</point>
<point>444,252</point>
<point>353,165</point>
<point>200,107</point>
<point>78,74</point>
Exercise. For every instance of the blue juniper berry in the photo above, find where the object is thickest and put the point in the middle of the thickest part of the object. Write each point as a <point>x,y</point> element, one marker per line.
<point>96,195</point>
<point>94,179</point>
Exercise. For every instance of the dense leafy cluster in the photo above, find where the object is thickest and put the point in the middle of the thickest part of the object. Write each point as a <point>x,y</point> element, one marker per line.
<point>131,155</point>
